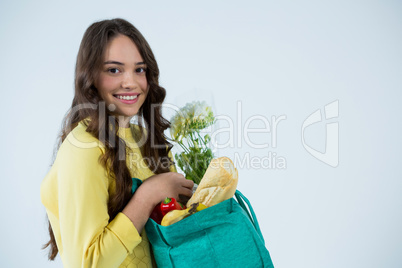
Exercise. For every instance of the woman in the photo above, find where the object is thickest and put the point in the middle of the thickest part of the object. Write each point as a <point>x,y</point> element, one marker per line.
<point>94,220</point>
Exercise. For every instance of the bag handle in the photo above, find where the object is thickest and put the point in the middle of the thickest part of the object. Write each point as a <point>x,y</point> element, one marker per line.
<point>253,218</point>
<point>136,183</point>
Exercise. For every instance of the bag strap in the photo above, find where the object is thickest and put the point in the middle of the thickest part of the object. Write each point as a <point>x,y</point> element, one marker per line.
<point>241,199</point>
<point>136,183</point>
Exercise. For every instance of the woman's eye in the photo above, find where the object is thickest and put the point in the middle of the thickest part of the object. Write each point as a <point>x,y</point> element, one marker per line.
<point>141,70</point>
<point>113,70</point>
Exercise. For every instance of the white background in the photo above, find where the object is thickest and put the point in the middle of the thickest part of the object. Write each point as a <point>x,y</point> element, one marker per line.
<point>275,57</point>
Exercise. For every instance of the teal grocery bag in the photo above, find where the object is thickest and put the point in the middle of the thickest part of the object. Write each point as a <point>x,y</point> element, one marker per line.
<point>224,235</point>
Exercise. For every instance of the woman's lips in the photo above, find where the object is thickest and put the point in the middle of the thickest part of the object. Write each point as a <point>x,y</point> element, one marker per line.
<point>128,98</point>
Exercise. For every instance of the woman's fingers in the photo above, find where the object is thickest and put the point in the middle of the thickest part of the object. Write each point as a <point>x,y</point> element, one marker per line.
<point>186,191</point>
<point>170,184</point>
<point>184,195</point>
<point>178,175</point>
<point>188,184</point>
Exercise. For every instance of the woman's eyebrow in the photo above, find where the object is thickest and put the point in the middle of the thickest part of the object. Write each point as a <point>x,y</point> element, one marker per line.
<point>120,63</point>
<point>113,62</point>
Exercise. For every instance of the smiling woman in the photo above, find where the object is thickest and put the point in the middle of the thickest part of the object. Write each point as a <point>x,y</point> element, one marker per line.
<point>123,82</point>
<point>94,220</point>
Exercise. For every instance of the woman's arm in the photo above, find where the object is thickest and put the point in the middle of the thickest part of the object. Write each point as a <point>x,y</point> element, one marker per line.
<point>87,239</point>
<point>153,191</point>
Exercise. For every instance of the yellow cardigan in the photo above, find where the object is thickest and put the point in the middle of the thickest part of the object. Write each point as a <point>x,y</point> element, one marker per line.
<point>75,193</point>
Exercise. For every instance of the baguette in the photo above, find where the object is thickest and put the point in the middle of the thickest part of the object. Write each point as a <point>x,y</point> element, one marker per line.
<point>218,184</point>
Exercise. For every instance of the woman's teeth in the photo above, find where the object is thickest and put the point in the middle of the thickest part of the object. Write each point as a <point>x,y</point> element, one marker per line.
<point>127,97</point>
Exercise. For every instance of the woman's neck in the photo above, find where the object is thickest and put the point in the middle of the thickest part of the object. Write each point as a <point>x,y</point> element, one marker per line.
<point>124,122</point>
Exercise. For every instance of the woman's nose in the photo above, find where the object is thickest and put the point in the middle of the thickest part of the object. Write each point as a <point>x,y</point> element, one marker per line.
<point>128,81</point>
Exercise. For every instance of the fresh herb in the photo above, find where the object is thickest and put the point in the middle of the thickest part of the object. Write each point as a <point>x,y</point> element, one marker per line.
<point>185,130</point>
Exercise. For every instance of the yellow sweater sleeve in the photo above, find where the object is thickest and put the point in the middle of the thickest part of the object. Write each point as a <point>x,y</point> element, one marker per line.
<point>80,186</point>
<point>172,167</point>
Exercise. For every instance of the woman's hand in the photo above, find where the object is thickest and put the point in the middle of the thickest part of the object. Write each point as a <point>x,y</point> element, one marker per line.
<point>170,184</point>
<point>153,191</point>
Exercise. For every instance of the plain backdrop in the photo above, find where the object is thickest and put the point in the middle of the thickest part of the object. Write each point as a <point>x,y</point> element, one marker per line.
<point>248,58</point>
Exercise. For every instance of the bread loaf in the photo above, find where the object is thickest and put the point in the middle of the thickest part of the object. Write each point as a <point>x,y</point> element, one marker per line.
<point>218,184</point>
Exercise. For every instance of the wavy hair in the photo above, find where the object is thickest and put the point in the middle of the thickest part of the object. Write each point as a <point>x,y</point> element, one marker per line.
<point>85,105</point>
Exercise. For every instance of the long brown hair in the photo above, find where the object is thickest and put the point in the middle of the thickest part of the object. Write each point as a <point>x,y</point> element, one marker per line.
<point>103,125</point>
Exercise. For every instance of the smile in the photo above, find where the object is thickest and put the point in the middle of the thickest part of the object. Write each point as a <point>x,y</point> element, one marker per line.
<point>126,97</point>
<point>129,98</point>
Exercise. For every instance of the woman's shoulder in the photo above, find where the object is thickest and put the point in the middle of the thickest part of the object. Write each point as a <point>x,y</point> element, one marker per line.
<point>79,142</point>
<point>79,137</point>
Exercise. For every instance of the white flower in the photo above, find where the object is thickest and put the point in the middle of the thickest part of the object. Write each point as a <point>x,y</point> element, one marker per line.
<point>192,117</point>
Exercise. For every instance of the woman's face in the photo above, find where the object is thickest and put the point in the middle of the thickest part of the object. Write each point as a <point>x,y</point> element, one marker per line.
<point>122,80</point>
